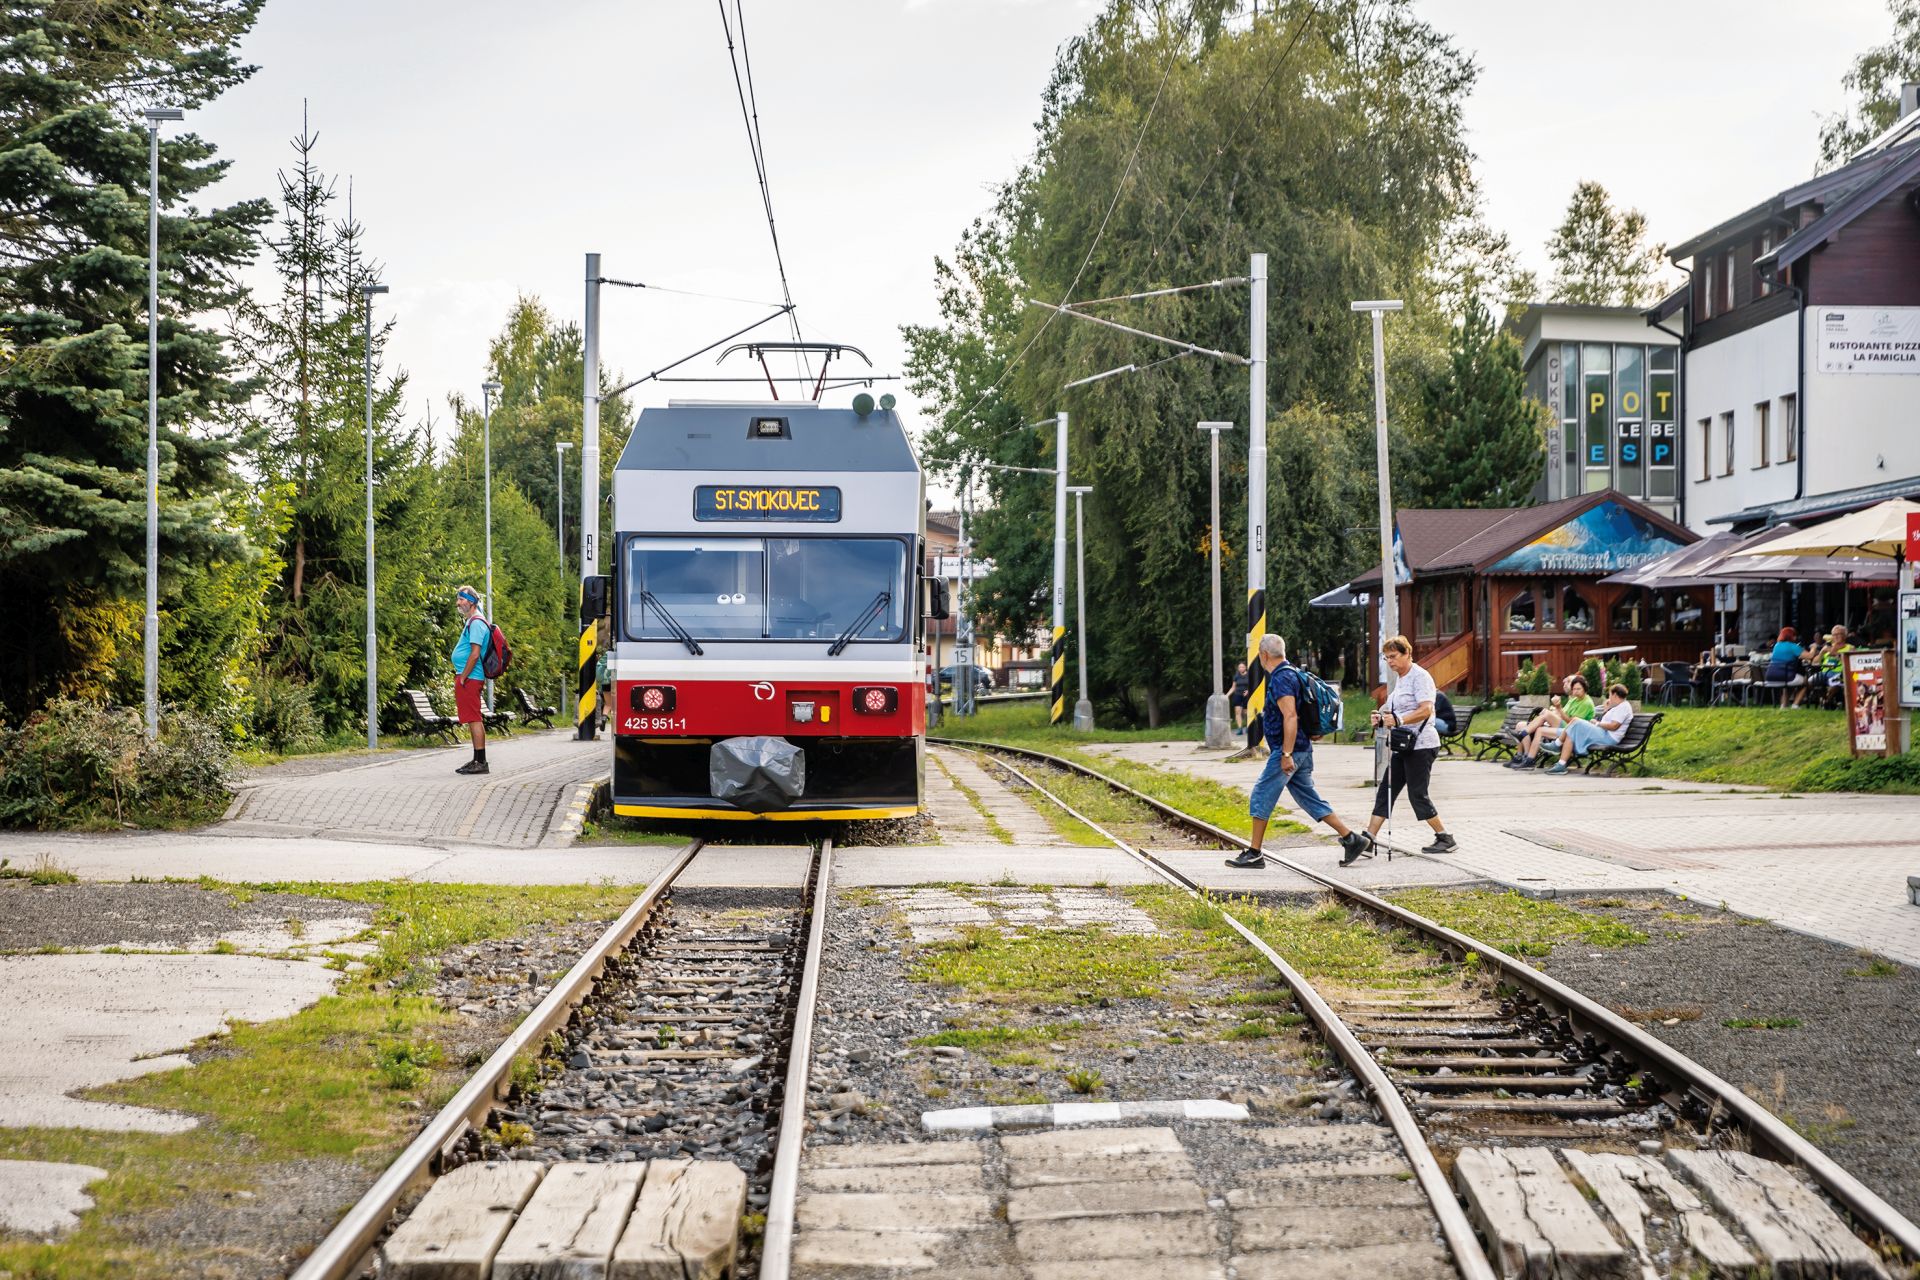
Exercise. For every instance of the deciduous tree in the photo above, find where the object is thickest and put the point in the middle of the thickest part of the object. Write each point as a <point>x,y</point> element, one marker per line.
<point>1873,88</point>
<point>1600,253</point>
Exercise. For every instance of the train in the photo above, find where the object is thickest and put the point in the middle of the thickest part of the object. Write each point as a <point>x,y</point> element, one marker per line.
<point>767,611</point>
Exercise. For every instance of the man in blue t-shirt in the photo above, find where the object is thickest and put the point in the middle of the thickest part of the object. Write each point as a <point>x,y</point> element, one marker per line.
<point>470,675</point>
<point>1289,761</point>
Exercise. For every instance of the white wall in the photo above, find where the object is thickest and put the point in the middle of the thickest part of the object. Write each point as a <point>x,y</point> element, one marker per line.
<point>1862,428</point>
<point>1735,374</point>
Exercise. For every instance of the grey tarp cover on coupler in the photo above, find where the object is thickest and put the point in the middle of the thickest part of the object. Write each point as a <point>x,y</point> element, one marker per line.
<point>759,773</point>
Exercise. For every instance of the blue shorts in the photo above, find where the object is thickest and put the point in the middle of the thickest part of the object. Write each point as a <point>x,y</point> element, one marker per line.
<point>1266,792</point>
<point>1587,735</point>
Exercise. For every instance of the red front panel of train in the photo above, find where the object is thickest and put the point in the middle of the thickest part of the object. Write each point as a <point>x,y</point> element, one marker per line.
<point>794,709</point>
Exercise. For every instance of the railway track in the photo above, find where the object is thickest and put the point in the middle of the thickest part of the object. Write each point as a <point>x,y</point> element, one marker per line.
<point>1520,1102</point>
<point>672,1100</point>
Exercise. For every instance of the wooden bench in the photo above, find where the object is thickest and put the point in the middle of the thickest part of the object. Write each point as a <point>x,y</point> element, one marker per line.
<point>499,718</point>
<point>1631,748</point>
<point>531,711</point>
<point>1504,741</point>
<point>426,717</point>
<point>1463,714</point>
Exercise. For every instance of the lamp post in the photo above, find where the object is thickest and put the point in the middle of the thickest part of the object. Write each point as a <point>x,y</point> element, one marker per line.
<point>1256,488</point>
<point>488,390</point>
<point>373,650</point>
<point>1083,708</point>
<point>151,623</point>
<point>1219,720</point>
<point>1389,588</point>
<point>1057,667</point>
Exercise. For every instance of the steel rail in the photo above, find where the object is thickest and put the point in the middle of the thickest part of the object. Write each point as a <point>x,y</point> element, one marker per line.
<point>1863,1202</point>
<point>776,1251</point>
<point>1461,1239</point>
<point>340,1254</point>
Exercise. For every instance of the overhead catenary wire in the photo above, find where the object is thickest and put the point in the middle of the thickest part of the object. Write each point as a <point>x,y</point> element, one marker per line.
<point>750,117</point>
<point>1226,283</point>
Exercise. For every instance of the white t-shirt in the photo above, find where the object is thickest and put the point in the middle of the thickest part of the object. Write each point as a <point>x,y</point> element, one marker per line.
<point>1414,688</point>
<point>1615,721</point>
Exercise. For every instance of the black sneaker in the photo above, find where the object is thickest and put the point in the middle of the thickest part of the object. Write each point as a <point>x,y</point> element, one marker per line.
<point>1442,843</point>
<point>1251,860</point>
<point>1358,845</point>
<point>473,766</point>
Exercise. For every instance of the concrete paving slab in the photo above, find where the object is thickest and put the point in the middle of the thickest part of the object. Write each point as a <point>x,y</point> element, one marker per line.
<point>906,865</point>
<point>41,1198</point>
<point>1330,1227</point>
<point>1369,1262</point>
<point>881,1251</point>
<point>1104,1199</point>
<point>80,1020</point>
<point>1103,1269</point>
<point>1150,1236</point>
<point>910,1177</point>
<point>892,1211</point>
<point>879,1155</point>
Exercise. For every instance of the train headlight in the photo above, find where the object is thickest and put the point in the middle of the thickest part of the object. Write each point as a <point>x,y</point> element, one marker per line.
<point>653,699</point>
<point>876,700</point>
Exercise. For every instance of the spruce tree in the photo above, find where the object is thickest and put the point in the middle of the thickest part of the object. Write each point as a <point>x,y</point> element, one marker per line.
<point>73,286</point>
<point>1479,442</point>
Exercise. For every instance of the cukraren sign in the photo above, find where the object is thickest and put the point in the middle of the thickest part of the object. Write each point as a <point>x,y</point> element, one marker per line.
<point>1868,339</point>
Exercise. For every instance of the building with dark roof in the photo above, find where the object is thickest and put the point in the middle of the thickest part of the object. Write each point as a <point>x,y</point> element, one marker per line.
<point>1800,328</point>
<point>1482,590</point>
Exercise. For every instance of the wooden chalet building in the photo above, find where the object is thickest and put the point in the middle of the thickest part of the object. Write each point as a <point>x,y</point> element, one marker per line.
<point>1482,590</point>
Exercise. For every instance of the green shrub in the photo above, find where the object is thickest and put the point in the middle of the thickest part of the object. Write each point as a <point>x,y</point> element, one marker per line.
<point>1626,673</point>
<point>1594,672</point>
<point>1533,679</point>
<point>283,716</point>
<point>83,764</point>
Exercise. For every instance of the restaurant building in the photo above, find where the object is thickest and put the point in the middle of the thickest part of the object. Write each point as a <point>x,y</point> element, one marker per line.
<point>1800,358</point>
<point>1611,380</point>
<point>1482,590</point>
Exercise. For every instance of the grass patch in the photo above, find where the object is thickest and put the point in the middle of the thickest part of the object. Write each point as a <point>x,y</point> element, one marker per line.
<point>333,1081</point>
<point>994,828</point>
<point>43,870</point>
<point>1761,1024</point>
<point>1032,966</point>
<point>1515,923</point>
<point>1661,1015</point>
<point>625,831</point>
<point>1085,1080</point>
<point>1322,940</point>
<point>999,1036</point>
<point>1876,967</point>
<point>1762,746</point>
<point>1024,724</point>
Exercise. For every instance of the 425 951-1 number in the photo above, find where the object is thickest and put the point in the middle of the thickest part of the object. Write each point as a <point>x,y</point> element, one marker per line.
<point>654,724</point>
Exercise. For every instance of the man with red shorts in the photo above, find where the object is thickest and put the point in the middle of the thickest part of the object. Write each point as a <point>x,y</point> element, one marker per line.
<point>470,676</point>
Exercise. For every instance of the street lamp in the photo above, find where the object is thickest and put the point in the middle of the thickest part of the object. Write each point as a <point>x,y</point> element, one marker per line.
<point>488,390</point>
<point>1219,721</point>
<point>1389,588</point>
<point>373,650</point>
<point>1083,709</point>
<point>151,623</point>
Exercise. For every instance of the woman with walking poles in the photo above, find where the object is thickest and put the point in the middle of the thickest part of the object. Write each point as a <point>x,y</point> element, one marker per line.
<point>1413,744</point>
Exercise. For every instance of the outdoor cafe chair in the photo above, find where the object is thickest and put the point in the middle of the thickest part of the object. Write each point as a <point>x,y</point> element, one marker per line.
<point>1678,679</point>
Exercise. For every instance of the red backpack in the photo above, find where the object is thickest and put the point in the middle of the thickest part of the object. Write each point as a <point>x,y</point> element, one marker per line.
<point>499,654</point>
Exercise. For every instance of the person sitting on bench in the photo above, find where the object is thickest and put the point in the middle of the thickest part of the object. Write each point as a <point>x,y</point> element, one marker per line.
<point>1547,728</point>
<point>1605,730</point>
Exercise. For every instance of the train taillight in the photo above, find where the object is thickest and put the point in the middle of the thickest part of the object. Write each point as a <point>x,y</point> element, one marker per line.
<point>653,699</point>
<point>876,700</point>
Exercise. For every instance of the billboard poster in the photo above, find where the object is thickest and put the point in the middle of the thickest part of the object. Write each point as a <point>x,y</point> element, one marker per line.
<point>1908,642</point>
<point>1604,539</point>
<point>1867,703</point>
<point>1869,339</point>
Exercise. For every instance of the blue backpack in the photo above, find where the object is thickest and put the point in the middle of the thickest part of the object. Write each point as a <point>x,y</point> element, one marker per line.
<point>1318,704</point>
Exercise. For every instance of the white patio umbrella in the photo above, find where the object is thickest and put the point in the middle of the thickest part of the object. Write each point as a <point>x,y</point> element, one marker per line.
<point>1879,532</point>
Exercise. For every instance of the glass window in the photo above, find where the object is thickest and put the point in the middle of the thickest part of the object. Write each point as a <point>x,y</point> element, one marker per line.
<point>1575,610</point>
<point>1570,418</point>
<point>1688,608</point>
<point>1450,620</point>
<point>1521,612</point>
<point>1726,443</point>
<point>712,587</point>
<point>1789,427</point>
<point>1596,405</point>
<point>1762,443</point>
<point>1629,611</point>
<point>1707,294</point>
<point>818,587</point>
<point>1630,461</point>
<point>1426,611</point>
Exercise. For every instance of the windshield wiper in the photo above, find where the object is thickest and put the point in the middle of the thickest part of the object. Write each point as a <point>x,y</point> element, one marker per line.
<point>880,602</point>
<point>673,623</point>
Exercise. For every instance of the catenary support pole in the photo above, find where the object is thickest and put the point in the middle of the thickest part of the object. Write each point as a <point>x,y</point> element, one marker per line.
<point>1256,493</point>
<point>1057,703</point>
<point>560,448</point>
<point>150,623</point>
<point>587,691</point>
<point>1389,610</point>
<point>488,390</point>
<point>1083,707</point>
<point>367,292</point>
<point>963,690</point>
<point>1219,723</point>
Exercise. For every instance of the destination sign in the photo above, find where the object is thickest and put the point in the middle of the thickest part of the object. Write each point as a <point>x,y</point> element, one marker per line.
<point>820,504</point>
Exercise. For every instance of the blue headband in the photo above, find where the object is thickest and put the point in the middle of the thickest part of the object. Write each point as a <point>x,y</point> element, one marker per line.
<point>468,595</point>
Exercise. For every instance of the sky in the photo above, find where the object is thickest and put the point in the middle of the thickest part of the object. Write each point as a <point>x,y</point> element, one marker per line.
<point>490,144</point>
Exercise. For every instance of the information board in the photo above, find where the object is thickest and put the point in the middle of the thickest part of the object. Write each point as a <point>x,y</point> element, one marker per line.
<point>1867,703</point>
<point>1907,648</point>
<point>807,503</point>
<point>1868,339</point>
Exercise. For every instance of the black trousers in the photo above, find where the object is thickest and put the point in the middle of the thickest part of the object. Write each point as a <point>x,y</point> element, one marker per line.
<point>1411,771</point>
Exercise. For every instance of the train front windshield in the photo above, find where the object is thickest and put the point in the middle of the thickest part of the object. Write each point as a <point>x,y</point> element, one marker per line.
<point>767,588</point>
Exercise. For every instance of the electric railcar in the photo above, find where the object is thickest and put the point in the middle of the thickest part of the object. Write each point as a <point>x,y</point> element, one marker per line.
<point>767,608</point>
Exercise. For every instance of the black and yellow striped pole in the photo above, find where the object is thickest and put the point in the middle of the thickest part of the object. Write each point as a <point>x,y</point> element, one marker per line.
<point>593,603</point>
<point>1057,708</point>
<point>1256,494</point>
<point>1256,677</point>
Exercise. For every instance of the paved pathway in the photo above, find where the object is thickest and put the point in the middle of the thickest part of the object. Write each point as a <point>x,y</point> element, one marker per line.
<point>416,796</point>
<point>1831,865</point>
